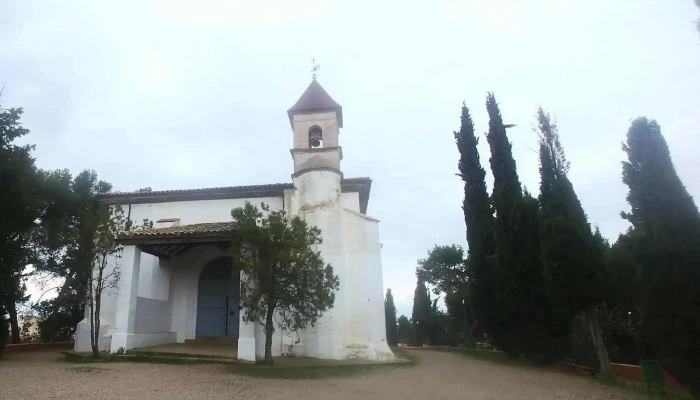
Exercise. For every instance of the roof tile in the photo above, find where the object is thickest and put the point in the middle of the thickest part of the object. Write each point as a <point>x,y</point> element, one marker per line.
<point>192,230</point>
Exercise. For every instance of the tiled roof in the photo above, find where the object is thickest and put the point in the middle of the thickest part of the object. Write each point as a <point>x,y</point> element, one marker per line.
<point>361,185</point>
<point>314,99</point>
<point>245,188</point>
<point>192,230</point>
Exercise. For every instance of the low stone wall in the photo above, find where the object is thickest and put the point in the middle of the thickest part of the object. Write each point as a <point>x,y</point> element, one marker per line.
<point>634,372</point>
<point>25,347</point>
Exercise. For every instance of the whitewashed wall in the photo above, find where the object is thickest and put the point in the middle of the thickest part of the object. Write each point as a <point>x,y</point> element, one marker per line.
<point>166,308</point>
<point>168,288</point>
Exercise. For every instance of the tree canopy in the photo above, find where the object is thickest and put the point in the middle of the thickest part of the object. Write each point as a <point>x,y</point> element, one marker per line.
<point>19,209</point>
<point>664,244</point>
<point>479,221</point>
<point>520,298</point>
<point>284,278</point>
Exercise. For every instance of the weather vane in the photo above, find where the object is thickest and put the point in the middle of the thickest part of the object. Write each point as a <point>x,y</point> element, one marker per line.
<point>315,68</point>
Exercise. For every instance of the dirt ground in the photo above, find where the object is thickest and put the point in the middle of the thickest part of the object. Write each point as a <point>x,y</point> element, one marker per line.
<point>436,375</point>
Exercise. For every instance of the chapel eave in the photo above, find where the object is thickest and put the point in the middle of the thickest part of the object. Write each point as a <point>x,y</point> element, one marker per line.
<point>361,185</point>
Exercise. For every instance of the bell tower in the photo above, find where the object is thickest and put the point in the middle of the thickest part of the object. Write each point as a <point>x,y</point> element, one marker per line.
<point>316,121</point>
<point>354,327</point>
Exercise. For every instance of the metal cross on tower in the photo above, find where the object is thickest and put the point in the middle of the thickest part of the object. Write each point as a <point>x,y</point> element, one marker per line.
<point>314,68</point>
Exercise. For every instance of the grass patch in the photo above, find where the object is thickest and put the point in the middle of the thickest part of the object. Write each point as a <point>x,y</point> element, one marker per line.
<point>641,388</point>
<point>72,357</point>
<point>78,358</point>
<point>284,368</point>
<point>308,368</point>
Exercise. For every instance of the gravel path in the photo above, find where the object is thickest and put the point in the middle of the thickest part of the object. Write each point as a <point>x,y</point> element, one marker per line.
<point>436,376</point>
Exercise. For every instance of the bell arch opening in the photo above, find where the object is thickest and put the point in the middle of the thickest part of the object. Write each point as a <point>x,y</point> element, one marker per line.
<point>315,137</point>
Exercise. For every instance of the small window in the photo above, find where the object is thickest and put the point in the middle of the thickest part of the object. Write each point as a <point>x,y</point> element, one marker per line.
<point>315,137</point>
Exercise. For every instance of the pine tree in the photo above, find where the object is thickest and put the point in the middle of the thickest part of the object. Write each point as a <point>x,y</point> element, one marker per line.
<point>421,312</point>
<point>478,218</point>
<point>20,205</point>
<point>665,237</point>
<point>519,283</point>
<point>390,316</point>
<point>572,257</point>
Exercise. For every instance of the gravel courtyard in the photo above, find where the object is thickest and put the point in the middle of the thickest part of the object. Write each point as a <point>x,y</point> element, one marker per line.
<point>437,375</point>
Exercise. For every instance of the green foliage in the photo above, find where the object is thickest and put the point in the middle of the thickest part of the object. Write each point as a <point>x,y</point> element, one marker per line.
<point>405,330</point>
<point>572,258</point>
<point>520,301</point>
<point>479,220</point>
<point>66,239</point>
<point>445,269</point>
<point>390,317</point>
<point>282,275</point>
<point>664,246</point>
<point>421,313</point>
<point>19,208</point>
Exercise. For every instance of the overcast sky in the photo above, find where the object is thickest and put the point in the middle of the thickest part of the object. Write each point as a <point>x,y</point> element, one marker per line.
<point>191,94</point>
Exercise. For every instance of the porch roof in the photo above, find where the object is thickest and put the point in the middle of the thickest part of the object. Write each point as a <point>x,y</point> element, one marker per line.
<point>175,240</point>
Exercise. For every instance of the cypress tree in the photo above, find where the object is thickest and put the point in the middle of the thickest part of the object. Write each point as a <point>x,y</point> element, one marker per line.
<point>390,316</point>
<point>571,256</point>
<point>478,218</point>
<point>666,235</point>
<point>519,282</point>
<point>421,312</point>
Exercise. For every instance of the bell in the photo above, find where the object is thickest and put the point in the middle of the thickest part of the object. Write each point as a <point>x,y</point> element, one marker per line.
<point>315,143</point>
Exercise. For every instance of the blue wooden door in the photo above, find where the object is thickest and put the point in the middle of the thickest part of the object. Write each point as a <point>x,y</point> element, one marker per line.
<point>218,300</point>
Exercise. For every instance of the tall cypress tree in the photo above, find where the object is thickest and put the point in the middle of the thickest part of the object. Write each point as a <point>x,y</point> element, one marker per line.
<point>478,218</point>
<point>571,256</point>
<point>520,285</point>
<point>421,312</point>
<point>666,241</point>
<point>390,316</point>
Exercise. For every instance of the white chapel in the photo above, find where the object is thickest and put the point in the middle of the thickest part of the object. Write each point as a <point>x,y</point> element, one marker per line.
<point>176,286</point>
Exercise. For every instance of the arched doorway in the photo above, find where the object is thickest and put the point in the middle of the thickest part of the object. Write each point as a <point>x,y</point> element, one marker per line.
<point>218,311</point>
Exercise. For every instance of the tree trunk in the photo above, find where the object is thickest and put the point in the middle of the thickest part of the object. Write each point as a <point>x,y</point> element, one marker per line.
<point>11,307</point>
<point>269,329</point>
<point>599,345</point>
<point>469,330</point>
<point>91,304</point>
<point>93,345</point>
<point>48,328</point>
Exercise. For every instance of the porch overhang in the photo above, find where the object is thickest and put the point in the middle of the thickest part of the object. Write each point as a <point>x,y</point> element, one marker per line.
<point>174,241</point>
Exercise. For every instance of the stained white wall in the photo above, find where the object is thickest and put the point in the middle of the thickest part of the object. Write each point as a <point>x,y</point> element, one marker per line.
<point>198,211</point>
<point>354,327</point>
<point>167,291</point>
<point>350,201</point>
